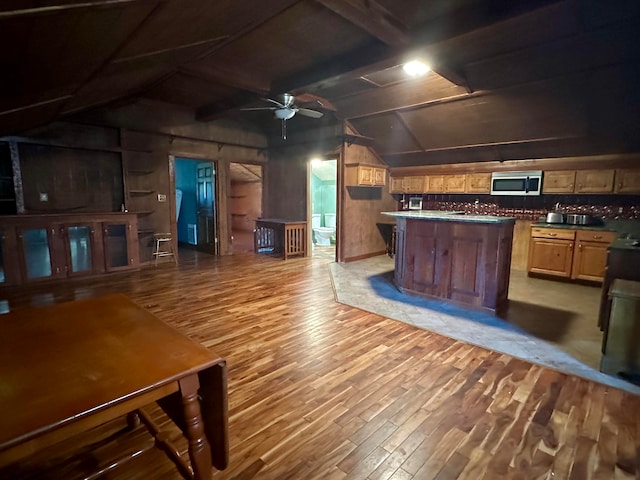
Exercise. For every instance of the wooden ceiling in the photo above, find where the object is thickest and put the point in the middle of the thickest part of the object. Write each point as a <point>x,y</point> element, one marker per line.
<point>511,78</point>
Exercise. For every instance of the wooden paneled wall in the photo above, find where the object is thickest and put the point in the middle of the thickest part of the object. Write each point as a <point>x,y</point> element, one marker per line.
<point>362,236</point>
<point>70,180</point>
<point>286,179</point>
<point>108,154</point>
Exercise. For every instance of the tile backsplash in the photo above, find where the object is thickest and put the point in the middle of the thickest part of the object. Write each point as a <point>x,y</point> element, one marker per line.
<point>605,207</point>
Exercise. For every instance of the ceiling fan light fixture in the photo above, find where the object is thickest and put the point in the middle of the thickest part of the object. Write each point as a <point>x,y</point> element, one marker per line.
<point>284,113</point>
<point>416,68</point>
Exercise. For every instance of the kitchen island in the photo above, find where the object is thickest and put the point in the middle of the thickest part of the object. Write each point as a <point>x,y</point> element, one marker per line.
<point>462,259</point>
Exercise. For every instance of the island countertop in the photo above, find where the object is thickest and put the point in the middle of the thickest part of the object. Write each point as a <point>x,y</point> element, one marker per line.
<point>448,216</point>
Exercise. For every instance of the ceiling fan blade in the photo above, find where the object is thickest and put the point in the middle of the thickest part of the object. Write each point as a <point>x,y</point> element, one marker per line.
<point>258,108</point>
<point>307,112</point>
<point>311,98</point>
<point>280,105</point>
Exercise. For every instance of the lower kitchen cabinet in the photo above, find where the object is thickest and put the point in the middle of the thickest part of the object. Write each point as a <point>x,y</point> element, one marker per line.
<point>568,253</point>
<point>590,257</point>
<point>51,247</point>
<point>550,256</point>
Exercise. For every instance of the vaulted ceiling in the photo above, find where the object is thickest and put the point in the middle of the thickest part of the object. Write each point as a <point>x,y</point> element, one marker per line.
<point>510,78</point>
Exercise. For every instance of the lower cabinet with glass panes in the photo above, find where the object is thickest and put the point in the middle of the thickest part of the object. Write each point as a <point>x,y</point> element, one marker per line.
<point>47,247</point>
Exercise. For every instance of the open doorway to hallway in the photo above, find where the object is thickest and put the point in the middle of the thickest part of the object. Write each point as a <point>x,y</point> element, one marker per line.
<point>323,190</point>
<point>196,205</point>
<point>245,204</point>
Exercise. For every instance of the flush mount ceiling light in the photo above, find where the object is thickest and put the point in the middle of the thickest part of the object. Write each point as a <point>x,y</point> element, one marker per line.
<point>416,68</point>
<point>284,113</point>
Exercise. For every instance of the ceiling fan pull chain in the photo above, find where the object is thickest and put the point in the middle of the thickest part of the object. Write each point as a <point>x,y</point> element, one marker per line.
<point>284,129</point>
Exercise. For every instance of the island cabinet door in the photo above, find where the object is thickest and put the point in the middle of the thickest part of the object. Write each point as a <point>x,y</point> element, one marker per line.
<point>425,243</point>
<point>467,263</point>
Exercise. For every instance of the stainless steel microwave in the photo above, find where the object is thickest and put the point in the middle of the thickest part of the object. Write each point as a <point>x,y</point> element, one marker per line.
<point>516,183</point>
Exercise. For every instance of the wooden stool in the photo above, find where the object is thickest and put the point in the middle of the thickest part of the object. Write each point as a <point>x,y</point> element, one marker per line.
<point>163,247</point>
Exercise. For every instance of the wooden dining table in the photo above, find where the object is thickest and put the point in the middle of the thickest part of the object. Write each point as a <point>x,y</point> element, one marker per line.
<point>73,366</point>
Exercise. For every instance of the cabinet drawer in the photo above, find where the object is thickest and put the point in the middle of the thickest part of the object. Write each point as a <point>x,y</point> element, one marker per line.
<point>595,236</point>
<point>556,233</point>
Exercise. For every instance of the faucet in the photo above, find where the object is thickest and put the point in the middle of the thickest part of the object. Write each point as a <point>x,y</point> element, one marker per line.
<point>557,207</point>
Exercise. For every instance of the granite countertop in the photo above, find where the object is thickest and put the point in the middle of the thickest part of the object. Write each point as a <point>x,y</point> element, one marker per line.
<point>448,216</point>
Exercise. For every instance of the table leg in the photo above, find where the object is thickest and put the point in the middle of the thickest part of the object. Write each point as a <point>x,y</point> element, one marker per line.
<point>199,450</point>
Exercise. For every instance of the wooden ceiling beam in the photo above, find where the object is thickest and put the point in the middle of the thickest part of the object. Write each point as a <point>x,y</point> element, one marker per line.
<point>453,75</point>
<point>372,18</point>
<point>12,9</point>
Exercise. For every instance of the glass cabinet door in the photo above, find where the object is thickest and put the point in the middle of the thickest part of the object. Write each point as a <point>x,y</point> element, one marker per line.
<point>36,253</point>
<point>116,249</point>
<point>79,246</point>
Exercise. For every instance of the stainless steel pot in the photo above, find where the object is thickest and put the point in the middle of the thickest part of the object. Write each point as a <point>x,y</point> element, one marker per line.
<point>555,217</point>
<point>579,219</point>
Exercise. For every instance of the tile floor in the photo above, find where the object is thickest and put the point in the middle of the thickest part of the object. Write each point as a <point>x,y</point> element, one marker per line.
<point>547,322</point>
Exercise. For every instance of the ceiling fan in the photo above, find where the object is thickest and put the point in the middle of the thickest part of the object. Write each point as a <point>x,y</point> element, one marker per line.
<point>285,108</point>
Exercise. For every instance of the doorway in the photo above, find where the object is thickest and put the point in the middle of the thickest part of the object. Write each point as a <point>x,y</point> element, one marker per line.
<point>196,206</point>
<point>323,190</point>
<point>245,203</point>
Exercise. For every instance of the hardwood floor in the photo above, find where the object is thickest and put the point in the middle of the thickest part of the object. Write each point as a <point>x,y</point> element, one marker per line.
<point>321,390</point>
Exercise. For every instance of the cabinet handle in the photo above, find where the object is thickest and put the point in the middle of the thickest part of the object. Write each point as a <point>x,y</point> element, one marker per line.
<point>570,246</point>
<point>597,237</point>
<point>580,246</point>
<point>552,234</point>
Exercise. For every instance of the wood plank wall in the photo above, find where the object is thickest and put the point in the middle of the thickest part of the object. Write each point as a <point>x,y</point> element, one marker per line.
<point>361,235</point>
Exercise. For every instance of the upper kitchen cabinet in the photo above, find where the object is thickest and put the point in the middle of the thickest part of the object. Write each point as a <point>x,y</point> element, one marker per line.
<point>627,180</point>
<point>446,183</point>
<point>594,181</point>
<point>478,183</point>
<point>410,184</point>
<point>455,183</point>
<point>365,175</point>
<point>561,181</point>
<point>434,184</point>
